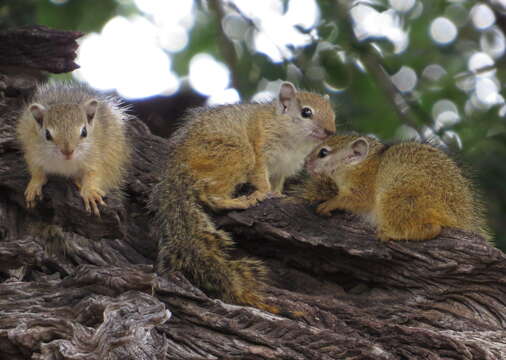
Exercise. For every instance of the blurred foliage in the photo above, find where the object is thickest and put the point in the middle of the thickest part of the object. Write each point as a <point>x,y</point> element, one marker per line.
<point>89,14</point>
<point>15,13</point>
<point>357,74</point>
<point>203,38</point>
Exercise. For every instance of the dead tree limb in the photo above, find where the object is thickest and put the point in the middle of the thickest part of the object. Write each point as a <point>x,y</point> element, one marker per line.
<point>39,48</point>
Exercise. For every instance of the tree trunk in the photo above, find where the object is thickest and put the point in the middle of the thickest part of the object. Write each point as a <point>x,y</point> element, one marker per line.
<point>75,286</point>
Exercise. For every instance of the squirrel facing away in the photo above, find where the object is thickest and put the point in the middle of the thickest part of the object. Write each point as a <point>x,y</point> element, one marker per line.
<point>213,152</point>
<point>409,191</point>
<point>68,129</point>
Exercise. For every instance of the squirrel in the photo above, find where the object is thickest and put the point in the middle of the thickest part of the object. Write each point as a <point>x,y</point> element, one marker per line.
<point>215,150</point>
<point>409,190</point>
<point>68,129</point>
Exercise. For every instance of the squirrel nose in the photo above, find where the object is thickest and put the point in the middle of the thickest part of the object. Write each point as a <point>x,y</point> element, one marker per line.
<point>67,153</point>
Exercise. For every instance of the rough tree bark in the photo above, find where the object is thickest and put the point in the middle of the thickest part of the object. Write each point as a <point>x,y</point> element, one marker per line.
<point>83,288</point>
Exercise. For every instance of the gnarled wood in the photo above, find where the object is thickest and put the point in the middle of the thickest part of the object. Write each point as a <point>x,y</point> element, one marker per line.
<point>75,286</point>
<point>39,48</point>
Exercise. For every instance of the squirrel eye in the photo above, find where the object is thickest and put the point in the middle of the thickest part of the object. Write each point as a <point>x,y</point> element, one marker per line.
<point>323,152</point>
<point>84,132</point>
<point>48,135</point>
<point>306,112</point>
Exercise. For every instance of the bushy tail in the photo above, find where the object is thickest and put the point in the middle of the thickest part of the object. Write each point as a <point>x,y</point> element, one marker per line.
<point>190,243</point>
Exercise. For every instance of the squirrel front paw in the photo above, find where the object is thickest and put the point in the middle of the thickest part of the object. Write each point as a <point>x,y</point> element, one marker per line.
<point>92,197</point>
<point>275,195</point>
<point>32,192</point>
<point>325,208</point>
<point>256,197</point>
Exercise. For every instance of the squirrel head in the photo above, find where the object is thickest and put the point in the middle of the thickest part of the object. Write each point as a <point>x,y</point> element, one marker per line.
<point>341,154</point>
<point>311,113</point>
<point>66,128</point>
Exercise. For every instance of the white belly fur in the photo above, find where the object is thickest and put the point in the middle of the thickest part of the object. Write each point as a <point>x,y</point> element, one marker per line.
<point>287,161</point>
<point>286,164</point>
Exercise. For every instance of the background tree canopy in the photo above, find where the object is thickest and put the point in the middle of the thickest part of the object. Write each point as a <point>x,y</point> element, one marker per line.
<point>396,69</point>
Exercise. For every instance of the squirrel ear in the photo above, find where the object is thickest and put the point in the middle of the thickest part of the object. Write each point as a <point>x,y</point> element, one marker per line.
<point>91,109</point>
<point>286,97</point>
<point>38,112</point>
<point>359,149</point>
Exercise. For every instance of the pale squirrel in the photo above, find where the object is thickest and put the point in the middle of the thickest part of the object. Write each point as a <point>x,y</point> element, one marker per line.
<point>68,129</point>
<point>214,151</point>
<point>409,191</point>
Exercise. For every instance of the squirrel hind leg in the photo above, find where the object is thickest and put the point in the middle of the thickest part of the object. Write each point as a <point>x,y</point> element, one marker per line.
<point>217,183</point>
<point>218,196</point>
<point>227,202</point>
<point>425,231</point>
<point>409,218</point>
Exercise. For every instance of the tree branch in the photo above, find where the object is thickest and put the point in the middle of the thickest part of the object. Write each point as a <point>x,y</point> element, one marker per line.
<point>39,48</point>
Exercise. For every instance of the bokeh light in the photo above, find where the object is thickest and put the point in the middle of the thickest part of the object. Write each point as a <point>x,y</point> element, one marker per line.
<point>227,96</point>
<point>487,91</point>
<point>443,31</point>
<point>434,72</point>
<point>178,12</point>
<point>405,79</point>
<point>493,42</point>
<point>482,16</point>
<point>402,5</point>
<point>275,32</point>
<point>132,56</point>
<point>125,57</point>
<point>234,26</point>
<point>372,24</point>
<point>208,76</point>
<point>445,113</point>
<point>304,13</point>
<point>480,61</point>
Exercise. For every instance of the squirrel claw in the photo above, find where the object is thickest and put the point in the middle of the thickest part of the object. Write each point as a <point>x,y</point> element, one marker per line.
<point>31,204</point>
<point>275,195</point>
<point>324,210</point>
<point>91,200</point>
<point>256,197</point>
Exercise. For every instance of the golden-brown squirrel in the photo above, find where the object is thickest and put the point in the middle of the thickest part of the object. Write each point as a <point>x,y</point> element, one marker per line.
<point>217,149</point>
<point>409,191</point>
<point>68,129</point>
